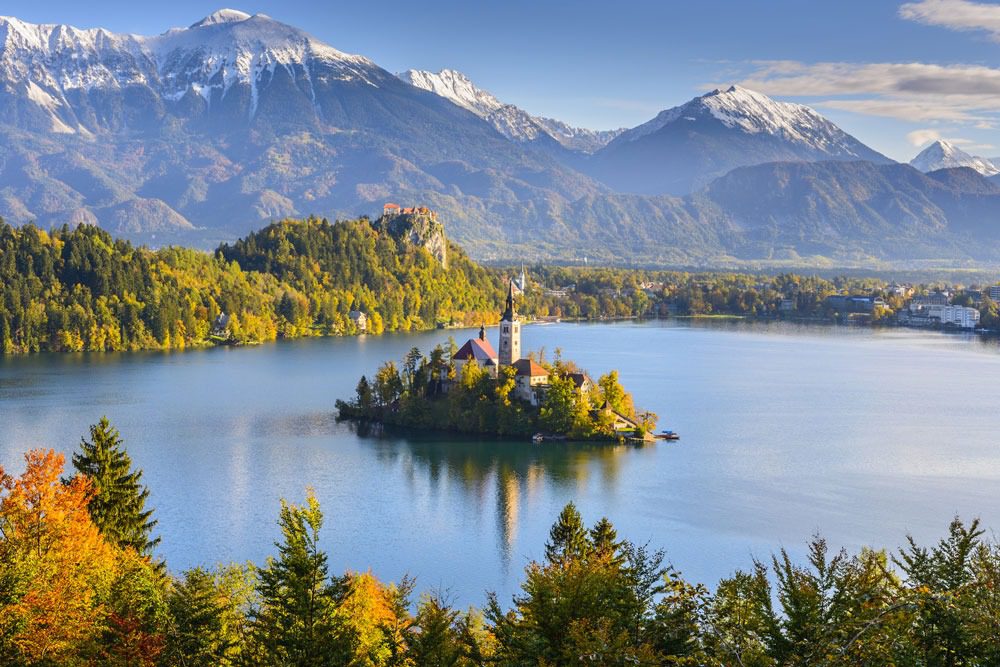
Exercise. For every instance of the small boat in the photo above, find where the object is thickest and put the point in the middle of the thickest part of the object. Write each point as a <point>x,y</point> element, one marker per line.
<point>668,435</point>
<point>541,437</point>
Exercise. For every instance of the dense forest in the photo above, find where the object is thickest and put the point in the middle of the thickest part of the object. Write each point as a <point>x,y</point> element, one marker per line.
<point>440,392</point>
<point>80,289</point>
<point>81,584</point>
<point>598,292</point>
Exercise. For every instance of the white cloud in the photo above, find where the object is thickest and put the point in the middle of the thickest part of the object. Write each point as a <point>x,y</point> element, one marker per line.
<point>955,14</point>
<point>921,137</point>
<point>914,92</point>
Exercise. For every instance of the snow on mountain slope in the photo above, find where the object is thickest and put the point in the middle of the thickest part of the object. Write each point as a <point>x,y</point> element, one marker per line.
<point>685,147</point>
<point>944,155</point>
<point>511,121</point>
<point>755,113</point>
<point>56,66</point>
<point>230,47</point>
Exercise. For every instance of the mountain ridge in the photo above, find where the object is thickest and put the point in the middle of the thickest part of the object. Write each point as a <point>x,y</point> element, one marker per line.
<point>684,147</point>
<point>201,134</point>
<point>511,121</point>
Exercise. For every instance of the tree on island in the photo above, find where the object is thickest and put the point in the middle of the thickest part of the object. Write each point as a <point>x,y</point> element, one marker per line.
<point>441,392</point>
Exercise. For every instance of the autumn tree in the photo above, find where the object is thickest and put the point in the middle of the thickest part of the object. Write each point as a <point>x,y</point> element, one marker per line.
<point>55,567</point>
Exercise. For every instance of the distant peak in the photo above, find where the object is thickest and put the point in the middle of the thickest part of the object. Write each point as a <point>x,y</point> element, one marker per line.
<point>222,16</point>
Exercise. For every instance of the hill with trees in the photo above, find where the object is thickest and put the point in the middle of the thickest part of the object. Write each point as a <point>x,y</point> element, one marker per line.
<point>76,289</point>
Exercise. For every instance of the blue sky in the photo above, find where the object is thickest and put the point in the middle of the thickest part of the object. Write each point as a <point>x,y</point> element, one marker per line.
<point>894,74</point>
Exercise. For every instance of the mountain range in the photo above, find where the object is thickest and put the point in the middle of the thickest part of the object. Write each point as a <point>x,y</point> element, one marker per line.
<point>202,133</point>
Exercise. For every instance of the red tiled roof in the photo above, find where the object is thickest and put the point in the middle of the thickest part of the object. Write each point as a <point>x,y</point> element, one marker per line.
<point>529,368</point>
<point>390,206</point>
<point>478,349</point>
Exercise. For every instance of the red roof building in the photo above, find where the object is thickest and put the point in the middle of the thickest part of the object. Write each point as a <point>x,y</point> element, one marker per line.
<point>479,351</point>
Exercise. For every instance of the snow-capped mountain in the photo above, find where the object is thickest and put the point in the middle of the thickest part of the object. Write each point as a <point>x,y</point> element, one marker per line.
<point>509,120</point>
<point>70,80</point>
<point>684,147</point>
<point>235,120</point>
<point>202,133</point>
<point>944,155</point>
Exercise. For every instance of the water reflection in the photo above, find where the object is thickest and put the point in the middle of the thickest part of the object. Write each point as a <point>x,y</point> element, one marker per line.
<point>513,471</point>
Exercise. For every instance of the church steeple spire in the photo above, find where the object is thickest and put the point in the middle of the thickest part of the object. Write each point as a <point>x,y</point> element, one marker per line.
<point>508,313</point>
<point>510,331</point>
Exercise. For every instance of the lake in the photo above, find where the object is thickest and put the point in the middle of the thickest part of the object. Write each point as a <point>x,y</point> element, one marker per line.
<point>861,435</point>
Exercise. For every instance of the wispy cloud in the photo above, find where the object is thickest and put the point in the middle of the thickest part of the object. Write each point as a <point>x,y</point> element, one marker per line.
<point>955,14</point>
<point>921,137</point>
<point>916,92</point>
<point>927,135</point>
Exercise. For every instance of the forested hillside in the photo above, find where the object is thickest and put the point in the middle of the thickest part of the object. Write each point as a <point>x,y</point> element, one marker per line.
<point>80,289</point>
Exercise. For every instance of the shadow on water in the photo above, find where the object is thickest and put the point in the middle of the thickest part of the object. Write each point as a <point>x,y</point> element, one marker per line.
<point>509,470</point>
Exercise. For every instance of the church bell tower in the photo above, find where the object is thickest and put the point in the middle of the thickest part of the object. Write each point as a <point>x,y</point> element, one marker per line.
<point>510,332</point>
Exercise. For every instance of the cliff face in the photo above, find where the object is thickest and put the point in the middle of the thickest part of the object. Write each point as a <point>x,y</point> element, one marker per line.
<point>419,228</point>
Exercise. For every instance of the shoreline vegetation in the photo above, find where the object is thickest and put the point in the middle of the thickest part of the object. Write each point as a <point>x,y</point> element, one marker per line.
<point>79,289</point>
<point>81,584</point>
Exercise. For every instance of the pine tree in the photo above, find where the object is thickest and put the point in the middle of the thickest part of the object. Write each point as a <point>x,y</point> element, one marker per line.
<point>119,505</point>
<point>605,538</point>
<point>295,623</point>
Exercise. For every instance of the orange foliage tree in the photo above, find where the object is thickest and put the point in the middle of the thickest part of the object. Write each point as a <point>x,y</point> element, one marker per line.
<point>58,575</point>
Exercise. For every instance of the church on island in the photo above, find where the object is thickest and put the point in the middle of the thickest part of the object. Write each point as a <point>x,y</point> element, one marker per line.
<point>531,378</point>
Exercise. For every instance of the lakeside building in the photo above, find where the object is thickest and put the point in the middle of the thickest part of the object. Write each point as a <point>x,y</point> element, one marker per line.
<point>359,319</point>
<point>922,313</point>
<point>479,351</point>
<point>846,303</point>
<point>994,292</point>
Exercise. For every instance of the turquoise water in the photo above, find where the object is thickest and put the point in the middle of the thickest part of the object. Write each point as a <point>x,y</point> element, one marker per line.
<point>861,435</point>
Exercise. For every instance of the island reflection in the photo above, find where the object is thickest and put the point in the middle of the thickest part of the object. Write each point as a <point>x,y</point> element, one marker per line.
<point>512,472</point>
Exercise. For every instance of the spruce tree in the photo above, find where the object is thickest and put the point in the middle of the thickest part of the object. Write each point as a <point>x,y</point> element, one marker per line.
<point>605,539</point>
<point>197,636</point>
<point>119,505</point>
<point>295,624</point>
<point>568,538</point>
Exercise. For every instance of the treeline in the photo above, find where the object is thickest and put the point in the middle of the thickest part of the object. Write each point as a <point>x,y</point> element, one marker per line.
<point>79,289</point>
<point>440,392</point>
<point>594,293</point>
<point>80,585</point>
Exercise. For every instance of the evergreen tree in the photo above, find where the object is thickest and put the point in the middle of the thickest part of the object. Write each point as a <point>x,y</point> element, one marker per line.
<point>118,508</point>
<point>568,538</point>
<point>605,538</point>
<point>436,642</point>
<point>295,622</point>
<point>198,611</point>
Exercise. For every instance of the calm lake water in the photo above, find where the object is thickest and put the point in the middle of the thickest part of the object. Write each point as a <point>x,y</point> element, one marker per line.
<point>861,435</point>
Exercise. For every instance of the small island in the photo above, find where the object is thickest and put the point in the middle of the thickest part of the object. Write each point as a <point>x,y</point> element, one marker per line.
<point>474,389</point>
